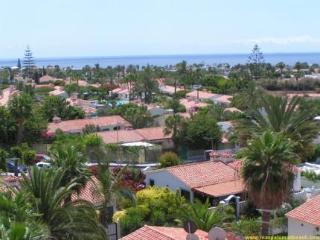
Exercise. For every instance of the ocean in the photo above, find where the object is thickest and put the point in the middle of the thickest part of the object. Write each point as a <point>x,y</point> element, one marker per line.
<point>166,60</point>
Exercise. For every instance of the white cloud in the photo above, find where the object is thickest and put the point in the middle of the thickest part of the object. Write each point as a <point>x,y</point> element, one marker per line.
<point>280,40</point>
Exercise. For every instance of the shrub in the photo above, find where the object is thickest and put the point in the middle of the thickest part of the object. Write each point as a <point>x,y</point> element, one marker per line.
<point>169,159</point>
<point>154,206</point>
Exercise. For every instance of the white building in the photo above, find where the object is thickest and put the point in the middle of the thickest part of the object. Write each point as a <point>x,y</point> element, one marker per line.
<point>305,219</point>
<point>215,180</point>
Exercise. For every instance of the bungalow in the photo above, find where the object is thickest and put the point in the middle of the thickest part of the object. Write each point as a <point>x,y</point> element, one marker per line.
<point>223,100</point>
<point>154,135</point>
<point>192,105</point>
<point>163,233</point>
<point>109,123</point>
<point>122,93</point>
<point>85,105</point>
<point>202,95</point>
<point>59,92</point>
<point>305,219</point>
<point>208,179</point>
<point>174,233</point>
<point>167,89</point>
<point>47,79</point>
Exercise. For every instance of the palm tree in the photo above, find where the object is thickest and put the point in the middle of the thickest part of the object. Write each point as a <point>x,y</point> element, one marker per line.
<point>72,160</point>
<point>16,221</point>
<point>267,172</point>
<point>20,108</point>
<point>279,114</point>
<point>46,192</point>
<point>174,125</point>
<point>206,218</point>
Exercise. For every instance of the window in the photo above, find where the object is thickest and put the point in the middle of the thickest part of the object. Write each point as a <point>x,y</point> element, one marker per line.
<point>185,194</point>
<point>151,182</point>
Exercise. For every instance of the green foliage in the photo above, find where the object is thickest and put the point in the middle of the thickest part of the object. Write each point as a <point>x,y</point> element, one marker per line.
<point>281,115</point>
<point>154,206</point>
<point>145,84</point>
<point>72,161</point>
<point>138,116</point>
<point>56,106</point>
<point>3,160</point>
<point>200,130</point>
<point>24,153</point>
<point>90,129</point>
<point>247,227</point>
<point>310,175</point>
<point>21,121</point>
<point>47,193</point>
<point>206,218</point>
<point>218,84</point>
<point>169,159</point>
<point>267,169</point>
<point>175,105</point>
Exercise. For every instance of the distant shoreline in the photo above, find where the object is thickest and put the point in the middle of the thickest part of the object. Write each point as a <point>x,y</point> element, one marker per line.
<point>164,60</point>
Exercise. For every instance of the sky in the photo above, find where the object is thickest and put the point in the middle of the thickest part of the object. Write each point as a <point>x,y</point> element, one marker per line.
<point>75,28</point>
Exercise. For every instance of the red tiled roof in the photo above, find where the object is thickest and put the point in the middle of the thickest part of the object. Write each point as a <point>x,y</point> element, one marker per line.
<point>308,212</point>
<point>79,124</point>
<point>169,89</point>
<point>121,136</point>
<point>90,193</point>
<point>46,78</point>
<point>153,134</point>
<point>222,189</point>
<point>237,164</point>
<point>137,135</point>
<point>162,233</point>
<point>202,94</point>
<point>191,104</point>
<point>203,174</point>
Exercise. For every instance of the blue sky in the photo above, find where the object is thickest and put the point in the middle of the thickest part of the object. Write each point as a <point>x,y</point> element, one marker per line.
<point>59,28</point>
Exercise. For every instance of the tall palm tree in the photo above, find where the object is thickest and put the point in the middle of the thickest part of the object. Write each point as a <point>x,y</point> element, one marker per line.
<point>174,125</point>
<point>282,115</point>
<point>46,192</point>
<point>20,108</point>
<point>267,172</point>
<point>72,160</point>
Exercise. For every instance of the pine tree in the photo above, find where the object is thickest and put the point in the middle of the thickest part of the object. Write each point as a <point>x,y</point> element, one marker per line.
<point>19,63</point>
<point>28,62</point>
<point>256,62</point>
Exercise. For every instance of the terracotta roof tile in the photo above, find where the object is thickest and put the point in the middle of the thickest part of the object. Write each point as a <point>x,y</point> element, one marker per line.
<point>307,212</point>
<point>90,192</point>
<point>152,134</point>
<point>162,233</point>
<point>121,136</point>
<point>222,189</point>
<point>204,173</point>
<point>191,104</point>
<point>79,124</point>
<point>202,94</point>
<point>137,135</point>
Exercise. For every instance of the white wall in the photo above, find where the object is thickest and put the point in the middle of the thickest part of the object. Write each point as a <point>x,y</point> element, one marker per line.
<point>298,228</point>
<point>162,178</point>
<point>297,182</point>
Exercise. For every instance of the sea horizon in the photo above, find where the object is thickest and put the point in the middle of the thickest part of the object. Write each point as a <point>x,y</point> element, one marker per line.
<point>167,59</point>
